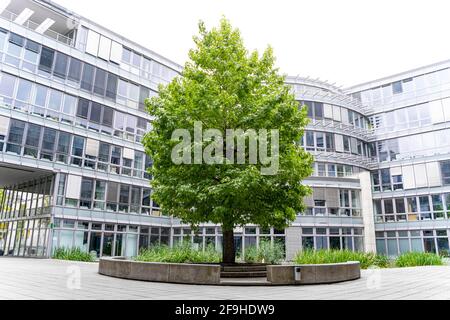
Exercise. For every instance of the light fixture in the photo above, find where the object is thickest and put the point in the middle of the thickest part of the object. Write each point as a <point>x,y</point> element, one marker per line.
<point>45,25</point>
<point>24,16</point>
<point>4,4</point>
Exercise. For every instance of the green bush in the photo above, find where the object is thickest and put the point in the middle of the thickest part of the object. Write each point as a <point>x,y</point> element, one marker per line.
<point>413,259</point>
<point>74,254</point>
<point>181,253</point>
<point>337,256</point>
<point>266,253</point>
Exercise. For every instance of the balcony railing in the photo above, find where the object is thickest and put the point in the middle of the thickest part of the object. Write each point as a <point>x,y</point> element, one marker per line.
<point>10,16</point>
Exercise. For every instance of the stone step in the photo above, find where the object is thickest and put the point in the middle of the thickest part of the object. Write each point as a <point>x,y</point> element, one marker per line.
<point>243,274</point>
<point>245,282</point>
<point>243,268</point>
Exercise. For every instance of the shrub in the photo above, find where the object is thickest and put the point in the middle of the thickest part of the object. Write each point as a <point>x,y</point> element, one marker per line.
<point>265,253</point>
<point>337,256</point>
<point>413,259</point>
<point>181,253</point>
<point>74,254</point>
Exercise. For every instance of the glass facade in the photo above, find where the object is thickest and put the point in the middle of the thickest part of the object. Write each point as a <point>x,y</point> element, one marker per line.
<point>72,119</point>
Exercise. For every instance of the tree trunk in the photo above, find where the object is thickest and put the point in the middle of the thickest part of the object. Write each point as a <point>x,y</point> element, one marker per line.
<point>228,252</point>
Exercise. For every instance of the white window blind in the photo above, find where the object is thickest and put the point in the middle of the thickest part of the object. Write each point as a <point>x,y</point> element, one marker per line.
<point>128,153</point>
<point>116,52</point>
<point>73,187</point>
<point>339,143</point>
<point>93,40</point>
<point>420,174</point>
<point>408,177</point>
<point>433,174</point>
<point>92,147</point>
<point>104,48</point>
<point>4,125</point>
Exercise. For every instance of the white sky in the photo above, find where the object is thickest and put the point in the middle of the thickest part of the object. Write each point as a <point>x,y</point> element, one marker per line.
<point>342,41</point>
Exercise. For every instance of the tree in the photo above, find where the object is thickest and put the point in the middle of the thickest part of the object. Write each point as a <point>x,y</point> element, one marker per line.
<point>223,86</point>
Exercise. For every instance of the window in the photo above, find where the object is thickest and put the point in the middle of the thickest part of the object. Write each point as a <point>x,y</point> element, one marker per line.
<point>48,141</point>
<point>318,110</point>
<point>385,179</point>
<point>144,94</point>
<point>16,39</point>
<point>100,194</point>
<point>83,108</point>
<point>24,90</point>
<point>78,146</point>
<point>397,182</point>
<point>400,205</point>
<point>108,114</point>
<point>7,85</point>
<point>15,136</point>
<point>63,143</point>
<point>388,206</point>
<point>75,70</point>
<point>55,100</point>
<point>93,39</point>
<point>111,86</point>
<point>126,55</point>
<point>96,111</point>
<point>41,96</point>
<point>445,172</point>
<point>104,48</point>
<point>33,135</point>
<point>100,82</point>
<point>87,77</point>
<point>46,62</point>
<point>32,140</point>
<point>86,193</point>
<point>61,63</point>
<point>397,87</point>
<point>111,196</point>
<point>69,105</point>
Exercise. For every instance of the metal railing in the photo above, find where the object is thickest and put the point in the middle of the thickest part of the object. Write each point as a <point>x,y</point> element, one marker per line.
<point>10,16</point>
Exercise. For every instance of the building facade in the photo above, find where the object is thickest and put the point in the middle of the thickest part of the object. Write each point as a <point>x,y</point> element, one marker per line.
<point>72,165</point>
<point>410,177</point>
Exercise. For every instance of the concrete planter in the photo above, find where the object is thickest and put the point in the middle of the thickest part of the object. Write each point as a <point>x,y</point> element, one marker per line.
<point>313,273</point>
<point>160,272</point>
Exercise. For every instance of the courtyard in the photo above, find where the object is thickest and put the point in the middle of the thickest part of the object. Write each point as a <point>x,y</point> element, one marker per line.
<point>23,279</point>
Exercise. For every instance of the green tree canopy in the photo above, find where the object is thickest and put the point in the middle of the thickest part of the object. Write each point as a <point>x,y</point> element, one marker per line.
<point>225,87</point>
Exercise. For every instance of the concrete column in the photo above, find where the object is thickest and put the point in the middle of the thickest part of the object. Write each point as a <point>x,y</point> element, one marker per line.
<point>367,211</point>
<point>293,242</point>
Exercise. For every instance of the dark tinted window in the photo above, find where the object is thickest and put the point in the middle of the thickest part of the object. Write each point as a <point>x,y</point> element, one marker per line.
<point>16,39</point>
<point>48,141</point>
<point>100,81</point>
<point>63,142</point>
<point>33,46</point>
<point>142,123</point>
<point>83,108</point>
<point>46,61</point>
<point>111,88</point>
<point>88,77</point>
<point>78,145</point>
<point>108,114</point>
<point>61,63</point>
<point>86,188</point>
<point>96,112</point>
<point>75,70</point>
<point>33,135</point>
<point>16,131</point>
<point>144,94</point>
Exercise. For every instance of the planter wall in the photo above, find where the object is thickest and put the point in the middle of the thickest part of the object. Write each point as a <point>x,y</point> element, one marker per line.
<point>314,273</point>
<point>160,272</point>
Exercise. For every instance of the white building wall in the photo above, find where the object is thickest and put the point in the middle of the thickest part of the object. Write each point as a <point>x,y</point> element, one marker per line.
<point>367,211</point>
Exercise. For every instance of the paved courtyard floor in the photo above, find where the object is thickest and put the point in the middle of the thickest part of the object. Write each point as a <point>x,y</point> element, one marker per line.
<point>52,279</point>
